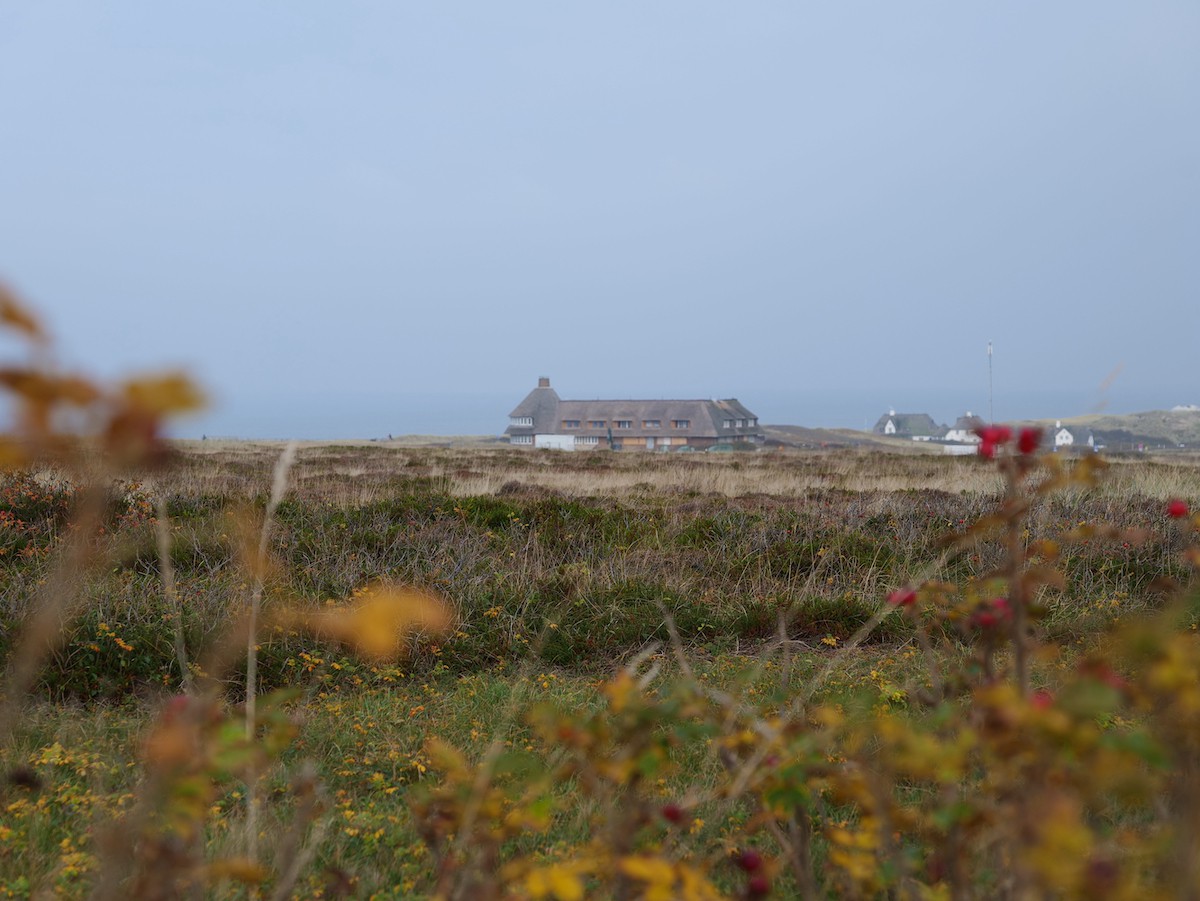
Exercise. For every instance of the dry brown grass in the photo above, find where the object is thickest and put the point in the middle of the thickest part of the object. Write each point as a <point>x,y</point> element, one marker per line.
<point>363,472</point>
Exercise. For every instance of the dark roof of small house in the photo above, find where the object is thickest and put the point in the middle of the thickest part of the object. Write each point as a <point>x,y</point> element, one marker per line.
<point>969,423</point>
<point>1077,432</point>
<point>910,424</point>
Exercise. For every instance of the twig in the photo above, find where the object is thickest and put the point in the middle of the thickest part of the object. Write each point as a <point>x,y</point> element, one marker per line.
<point>162,529</point>
<point>278,489</point>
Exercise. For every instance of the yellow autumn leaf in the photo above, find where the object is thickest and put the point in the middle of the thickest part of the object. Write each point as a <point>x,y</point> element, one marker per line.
<point>13,315</point>
<point>378,622</point>
<point>240,869</point>
<point>658,874</point>
<point>620,691</point>
<point>558,880</point>
<point>73,389</point>
<point>30,385</point>
<point>162,395</point>
<point>695,887</point>
<point>172,744</point>
<point>446,757</point>
<point>12,454</point>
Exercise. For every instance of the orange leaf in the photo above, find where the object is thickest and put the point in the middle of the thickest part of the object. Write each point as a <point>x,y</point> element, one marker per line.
<point>239,869</point>
<point>41,387</point>
<point>163,395</point>
<point>12,454</point>
<point>16,317</point>
<point>377,624</point>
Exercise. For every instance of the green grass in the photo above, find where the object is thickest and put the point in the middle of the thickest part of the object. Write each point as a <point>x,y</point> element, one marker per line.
<point>551,594</point>
<point>367,741</point>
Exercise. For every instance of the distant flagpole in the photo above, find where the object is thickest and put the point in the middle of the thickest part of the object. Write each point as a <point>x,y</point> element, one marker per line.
<point>991,413</point>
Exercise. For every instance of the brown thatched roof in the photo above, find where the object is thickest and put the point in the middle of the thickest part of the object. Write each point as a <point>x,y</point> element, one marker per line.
<point>703,418</point>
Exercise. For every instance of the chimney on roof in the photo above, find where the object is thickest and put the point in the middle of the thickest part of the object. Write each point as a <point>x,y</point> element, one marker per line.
<point>543,382</point>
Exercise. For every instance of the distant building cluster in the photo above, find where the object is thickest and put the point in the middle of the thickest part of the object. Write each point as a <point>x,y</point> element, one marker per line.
<point>544,420</point>
<point>963,436</point>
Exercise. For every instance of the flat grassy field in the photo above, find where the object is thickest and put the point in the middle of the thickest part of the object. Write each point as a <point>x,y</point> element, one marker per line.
<point>736,592</point>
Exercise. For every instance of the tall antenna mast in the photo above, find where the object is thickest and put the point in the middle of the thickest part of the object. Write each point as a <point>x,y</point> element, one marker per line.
<point>991,414</point>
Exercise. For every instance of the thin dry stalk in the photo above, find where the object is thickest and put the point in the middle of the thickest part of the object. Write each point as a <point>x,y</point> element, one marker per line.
<point>278,489</point>
<point>162,531</point>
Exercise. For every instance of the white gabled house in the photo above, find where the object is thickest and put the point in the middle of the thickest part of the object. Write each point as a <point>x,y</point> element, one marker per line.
<point>966,429</point>
<point>1070,437</point>
<point>917,426</point>
<point>1062,436</point>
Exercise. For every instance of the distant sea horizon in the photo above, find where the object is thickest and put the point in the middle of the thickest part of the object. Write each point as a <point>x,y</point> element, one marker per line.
<point>377,417</point>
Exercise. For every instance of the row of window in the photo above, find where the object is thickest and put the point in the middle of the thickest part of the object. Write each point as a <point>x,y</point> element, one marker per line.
<point>626,423</point>
<point>594,440</point>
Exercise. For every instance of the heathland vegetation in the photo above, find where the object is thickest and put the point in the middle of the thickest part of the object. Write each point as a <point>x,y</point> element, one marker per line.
<point>246,670</point>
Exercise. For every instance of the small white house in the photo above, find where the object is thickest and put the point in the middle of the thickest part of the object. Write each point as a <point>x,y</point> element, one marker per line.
<point>965,429</point>
<point>1066,436</point>
<point>1063,437</point>
<point>918,426</point>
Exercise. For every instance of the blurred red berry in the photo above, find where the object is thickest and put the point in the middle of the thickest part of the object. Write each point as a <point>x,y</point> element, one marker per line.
<point>992,437</point>
<point>672,813</point>
<point>1177,509</point>
<point>991,614</point>
<point>1042,700</point>
<point>985,619</point>
<point>903,597</point>
<point>1101,875</point>
<point>1102,672</point>
<point>994,434</point>
<point>758,886</point>
<point>1028,440</point>
<point>749,860</point>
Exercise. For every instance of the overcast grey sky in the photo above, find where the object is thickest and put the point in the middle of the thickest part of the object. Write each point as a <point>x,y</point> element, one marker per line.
<point>350,219</point>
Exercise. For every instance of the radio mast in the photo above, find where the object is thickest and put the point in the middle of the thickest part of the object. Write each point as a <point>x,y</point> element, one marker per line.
<point>991,414</point>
